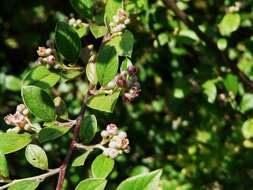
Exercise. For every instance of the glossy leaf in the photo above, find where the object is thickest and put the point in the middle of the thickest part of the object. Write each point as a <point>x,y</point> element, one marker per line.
<point>83,7</point>
<point>231,83</point>
<point>12,142</point>
<point>42,77</point>
<point>91,184</point>
<point>36,156</point>
<point>107,65</point>
<point>38,102</point>
<point>80,160</point>
<point>111,9</point>
<point>247,129</point>
<point>104,102</point>
<point>67,41</point>
<point>210,90</point>
<point>123,44</point>
<point>229,23</point>
<point>88,128</point>
<point>246,103</point>
<point>25,185</point>
<point>149,181</point>
<point>52,131</point>
<point>4,171</point>
<point>102,166</point>
<point>12,83</point>
<point>91,73</point>
<point>98,31</point>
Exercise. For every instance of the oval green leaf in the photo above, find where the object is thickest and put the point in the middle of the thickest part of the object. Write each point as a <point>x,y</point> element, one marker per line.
<point>67,41</point>
<point>88,128</point>
<point>111,9</point>
<point>25,185</point>
<point>42,77</point>
<point>149,181</point>
<point>4,171</point>
<point>102,166</point>
<point>80,160</point>
<point>52,131</point>
<point>83,7</point>
<point>36,156</point>
<point>98,31</point>
<point>12,142</point>
<point>104,102</point>
<point>229,23</point>
<point>107,64</point>
<point>247,129</point>
<point>91,184</point>
<point>38,102</point>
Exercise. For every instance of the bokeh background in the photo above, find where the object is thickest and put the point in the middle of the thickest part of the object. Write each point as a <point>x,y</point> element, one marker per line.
<point>194,129</point>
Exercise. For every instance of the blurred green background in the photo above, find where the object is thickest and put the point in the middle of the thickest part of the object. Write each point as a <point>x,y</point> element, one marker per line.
<point>190,120</point>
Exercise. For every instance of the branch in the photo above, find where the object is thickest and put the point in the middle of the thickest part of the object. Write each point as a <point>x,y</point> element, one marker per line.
<point>63,167</point>
<point>39,178</point>
<point>171,4</point>
<point>89,147</point>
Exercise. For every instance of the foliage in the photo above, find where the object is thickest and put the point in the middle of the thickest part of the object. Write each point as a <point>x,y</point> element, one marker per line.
<point>193,118</point>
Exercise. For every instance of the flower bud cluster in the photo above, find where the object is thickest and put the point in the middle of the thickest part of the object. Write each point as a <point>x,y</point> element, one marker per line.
<point>128,81</point>
<point>46,54</point>
<point>119,22</point>
<point>116,141</point>
<point>76,23</point>
<point>20,119</point>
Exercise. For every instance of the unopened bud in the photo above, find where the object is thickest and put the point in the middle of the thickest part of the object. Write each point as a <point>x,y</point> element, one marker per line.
<point>112,129</point>
<point>25,112</point>
<point>21,107</point>
<point>132,70</point>
<point>104,134</point>
<point>41,51</point>
<point>122,134</point>
<point>51,60</point>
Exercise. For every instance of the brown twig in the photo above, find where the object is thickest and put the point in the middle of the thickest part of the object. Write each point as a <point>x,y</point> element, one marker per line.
<point>171,4</point>
<point>64,165</point>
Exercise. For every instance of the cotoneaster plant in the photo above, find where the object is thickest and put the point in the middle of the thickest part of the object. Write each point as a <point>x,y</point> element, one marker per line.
<point>43,116</point>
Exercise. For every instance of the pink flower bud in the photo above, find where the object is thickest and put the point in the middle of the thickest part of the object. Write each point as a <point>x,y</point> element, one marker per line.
<point>104,134</point>
<point>124,143</point>
<point>132,70</point>
<point>112,129</point>
<point>41,51</point>
<point>51,60</point>
<point>20,107</point>
<point>122,134</point>
<point>122,13</point>
<point>112,152</point>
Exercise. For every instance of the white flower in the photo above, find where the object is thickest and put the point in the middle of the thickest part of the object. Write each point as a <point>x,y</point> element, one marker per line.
<point>112,129</point>
<point>122,134</point>
<point>104,134</point>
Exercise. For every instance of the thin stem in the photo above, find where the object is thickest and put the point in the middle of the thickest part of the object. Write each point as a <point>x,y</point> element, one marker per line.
<point>89,147</point>
<point>39,178</point>
<point>63,167</point>
<point>171,4</point>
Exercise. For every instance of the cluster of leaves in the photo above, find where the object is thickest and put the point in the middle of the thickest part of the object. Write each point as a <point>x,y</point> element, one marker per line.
<point>194,115</point>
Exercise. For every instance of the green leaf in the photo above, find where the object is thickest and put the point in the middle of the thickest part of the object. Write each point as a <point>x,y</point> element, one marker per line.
<point>12,142</point>
<point>83,7</point>
<point>246,103</point>
<point>42,77</point>
<point>102,166</point>
<point>231,83</point>
<point>61,108</point>
<point>38,102</point>
<point>88,128</point>
<point>210,90</point>
<point>125,64</point>
<point>91,184</point>
<point>148,181</point>
<point>36,156</point>
<point>98,31</point>
<point>247,129</point>
<point>229,23</point>
<point>12,83</point>
<point>222,43</point>
<point>4,171</point>
<point>25,185</point>
<point>82,31</point>
<point>111,9</point>
<point>70,75</point>
<point>104,102</point>
<point>123,44</point>
<point>67,41</point>
<point>80,160</point>
<point>107,65</point>
<point>52,131</point>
